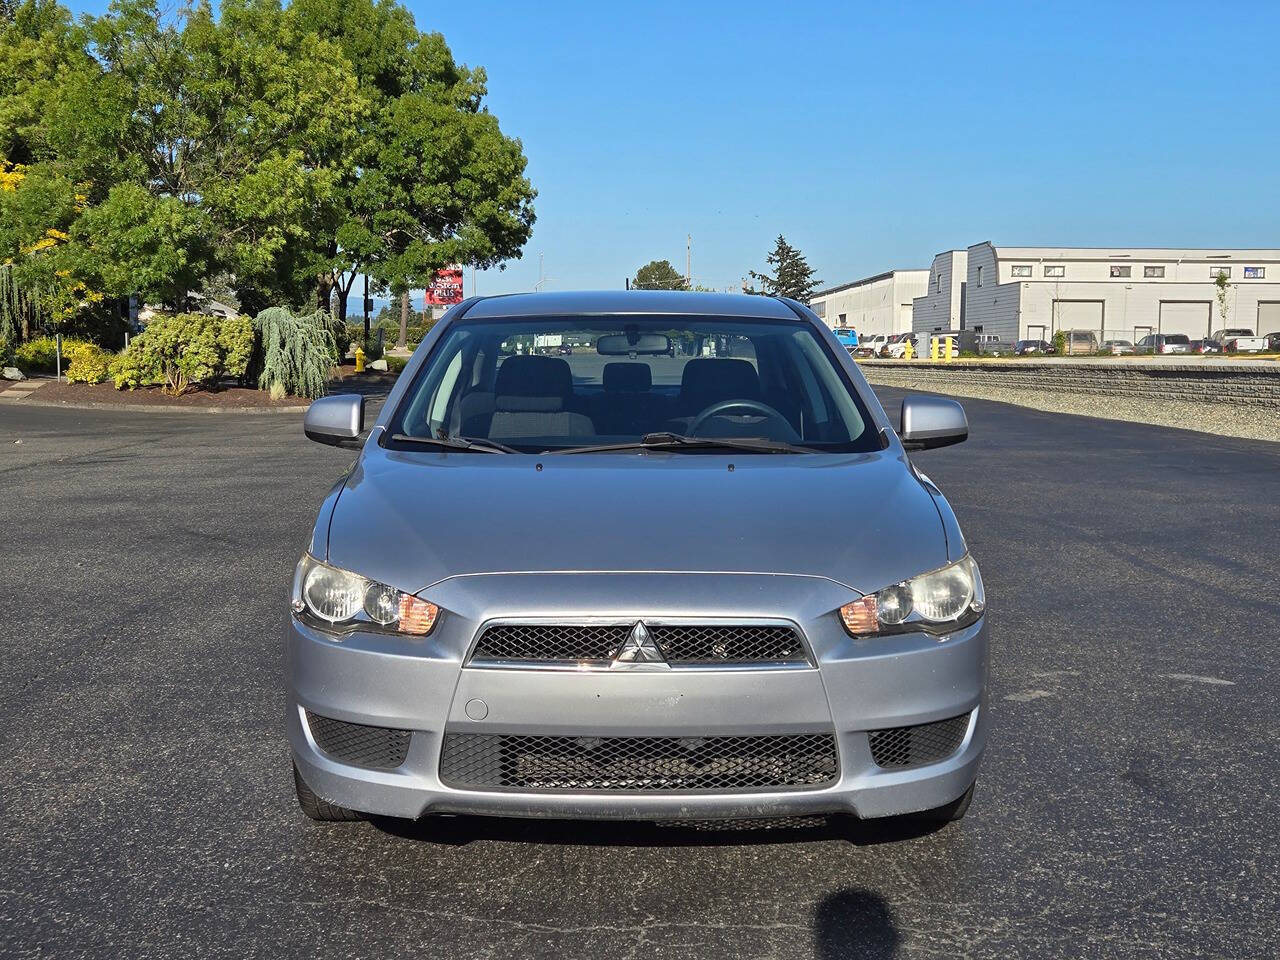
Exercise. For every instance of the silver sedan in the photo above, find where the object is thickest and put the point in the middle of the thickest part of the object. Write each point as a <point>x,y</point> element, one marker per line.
<point>624,582</point>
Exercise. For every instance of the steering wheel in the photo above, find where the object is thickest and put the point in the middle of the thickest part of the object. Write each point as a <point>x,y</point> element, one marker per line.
<point>755,406</point>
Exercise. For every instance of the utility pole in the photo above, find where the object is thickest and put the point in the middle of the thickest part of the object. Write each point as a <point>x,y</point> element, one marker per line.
<point>367,304</point>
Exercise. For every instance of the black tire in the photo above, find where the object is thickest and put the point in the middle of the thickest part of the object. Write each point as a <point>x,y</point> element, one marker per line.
<point>317,808</point>
<point>950,812</point>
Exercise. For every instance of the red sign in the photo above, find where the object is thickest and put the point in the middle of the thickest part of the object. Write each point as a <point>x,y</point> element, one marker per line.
<point>447,287</point>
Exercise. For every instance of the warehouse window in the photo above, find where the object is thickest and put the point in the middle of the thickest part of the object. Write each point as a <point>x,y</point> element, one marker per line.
<point>1217,271</point>
<point>1055,270</point>
<point>1022,269</point>
<point>1255,273</point>
<point>1121,271</point>
<point>979,276</point>
<point>1153,273</point>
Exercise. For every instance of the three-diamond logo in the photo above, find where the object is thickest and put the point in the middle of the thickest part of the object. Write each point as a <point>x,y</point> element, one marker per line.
<point>639,647</point>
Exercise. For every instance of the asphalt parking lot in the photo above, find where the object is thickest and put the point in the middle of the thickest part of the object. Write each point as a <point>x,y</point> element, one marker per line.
<point>1127,806</point>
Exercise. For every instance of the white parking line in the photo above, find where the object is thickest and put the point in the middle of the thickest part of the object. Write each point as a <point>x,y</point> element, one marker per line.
<point>1193,678</point>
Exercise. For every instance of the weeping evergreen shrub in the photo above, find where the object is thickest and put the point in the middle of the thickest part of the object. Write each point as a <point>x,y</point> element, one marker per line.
<point>293,353</point>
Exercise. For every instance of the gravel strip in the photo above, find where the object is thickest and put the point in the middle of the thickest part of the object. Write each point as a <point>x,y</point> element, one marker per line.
<point>1221,419</point>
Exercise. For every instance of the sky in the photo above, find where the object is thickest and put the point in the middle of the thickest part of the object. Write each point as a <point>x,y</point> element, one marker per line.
<point>873,136</point>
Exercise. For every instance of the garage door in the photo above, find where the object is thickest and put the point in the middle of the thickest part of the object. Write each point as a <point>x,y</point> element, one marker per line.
<point>1191,318</point>
<point>1078,314</point>
<point>1268,317</point>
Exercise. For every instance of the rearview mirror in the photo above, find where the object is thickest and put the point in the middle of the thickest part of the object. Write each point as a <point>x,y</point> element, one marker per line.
<point>335,420</point>
<point>929,422</point>
<point>635,344</point>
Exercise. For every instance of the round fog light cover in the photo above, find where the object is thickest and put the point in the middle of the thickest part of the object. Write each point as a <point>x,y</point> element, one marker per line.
<point>382,603</point>
<point>893,604</point>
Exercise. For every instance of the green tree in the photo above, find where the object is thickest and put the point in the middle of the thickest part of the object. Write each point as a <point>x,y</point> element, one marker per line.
<point>659,275</point>
<point>435,181</point>
<point>1222,294</point>
<point>789,274</point>
<point>40,47</point>
<point>216,114</point>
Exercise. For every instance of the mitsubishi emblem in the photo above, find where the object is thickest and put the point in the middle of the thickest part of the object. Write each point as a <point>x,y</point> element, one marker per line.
<point>639,647</point>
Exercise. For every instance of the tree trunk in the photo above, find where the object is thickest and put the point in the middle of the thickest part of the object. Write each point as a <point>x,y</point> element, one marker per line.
<point>342,306</point>
<point>324,292</point>
<point>404,320</point>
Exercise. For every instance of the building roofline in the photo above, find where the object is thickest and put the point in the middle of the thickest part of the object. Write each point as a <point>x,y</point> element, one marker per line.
<point>867,280</point>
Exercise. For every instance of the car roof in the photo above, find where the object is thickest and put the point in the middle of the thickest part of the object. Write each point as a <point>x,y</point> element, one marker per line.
<point>588,302</point>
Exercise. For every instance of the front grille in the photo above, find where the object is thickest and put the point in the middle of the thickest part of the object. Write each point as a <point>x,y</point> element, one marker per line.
<point>382,748</point>
<point>480,762</point>
<point>680,643</point>
<point>899,747</point>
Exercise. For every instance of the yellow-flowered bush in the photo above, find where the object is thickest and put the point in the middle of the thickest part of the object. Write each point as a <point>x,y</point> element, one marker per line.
<point>89,363</point>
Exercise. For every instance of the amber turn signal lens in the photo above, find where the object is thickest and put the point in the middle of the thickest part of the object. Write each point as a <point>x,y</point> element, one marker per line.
<point>417,616</point>
<point>859,617</point>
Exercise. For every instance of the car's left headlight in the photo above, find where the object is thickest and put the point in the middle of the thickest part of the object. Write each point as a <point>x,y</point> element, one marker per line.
<point>339,601</point>
<point>936,602</point>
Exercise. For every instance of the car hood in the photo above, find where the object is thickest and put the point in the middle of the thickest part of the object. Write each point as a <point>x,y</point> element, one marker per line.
<point>412,519</point>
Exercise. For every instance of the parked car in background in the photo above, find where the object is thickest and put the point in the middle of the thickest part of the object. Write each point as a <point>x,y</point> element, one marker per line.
<point>1024,347</point>
<point>896,346</point>
<point>1273,340</point>
<point>1164,343</point>
<point>992,345</point>
<point>1081,341</point>
<point>1239,340</point>
<point>847,336</point>
<point>484,658</point>
<point>1205,346</point>
<point>869,346</point>
<point>1118,347</point>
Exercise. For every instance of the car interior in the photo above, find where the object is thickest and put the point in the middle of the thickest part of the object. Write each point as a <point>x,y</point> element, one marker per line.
<point>774,384</point>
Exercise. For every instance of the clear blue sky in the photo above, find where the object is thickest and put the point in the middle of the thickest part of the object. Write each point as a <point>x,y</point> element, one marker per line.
<point>874,135</point>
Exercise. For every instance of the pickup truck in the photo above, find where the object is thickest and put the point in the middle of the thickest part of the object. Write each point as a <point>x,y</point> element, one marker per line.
<point>847,336</point>
<point>1239,340</point>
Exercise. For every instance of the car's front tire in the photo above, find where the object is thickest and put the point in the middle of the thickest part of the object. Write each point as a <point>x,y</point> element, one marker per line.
<point>318,808</point>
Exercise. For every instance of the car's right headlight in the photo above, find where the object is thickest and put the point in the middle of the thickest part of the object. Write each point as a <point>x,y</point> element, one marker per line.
<point>339,601</point>
<point>937,602</point>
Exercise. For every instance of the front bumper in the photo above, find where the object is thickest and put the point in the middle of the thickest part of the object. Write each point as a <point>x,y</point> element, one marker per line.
<point>850,688</point>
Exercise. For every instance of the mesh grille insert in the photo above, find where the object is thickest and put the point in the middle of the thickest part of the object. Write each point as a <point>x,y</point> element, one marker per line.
<point>680,643</point>
<point>382,748</point>
<point>899,747</point>
<point>481,761</point>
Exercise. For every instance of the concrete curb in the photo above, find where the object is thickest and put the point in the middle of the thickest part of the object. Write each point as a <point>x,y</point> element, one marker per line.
<point>156,408</point>
<point>1255,387</point>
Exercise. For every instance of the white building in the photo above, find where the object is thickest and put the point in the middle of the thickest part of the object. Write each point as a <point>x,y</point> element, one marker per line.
<point>879,304</point>
<point>942,307</point>
<point>1031,292</point>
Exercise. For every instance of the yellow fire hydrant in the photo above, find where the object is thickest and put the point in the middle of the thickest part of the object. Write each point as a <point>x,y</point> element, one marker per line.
<point>908,351</point>
<point>359,360</point>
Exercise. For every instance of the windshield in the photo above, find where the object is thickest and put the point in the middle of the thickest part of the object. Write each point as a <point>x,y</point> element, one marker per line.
<point>542,383</point>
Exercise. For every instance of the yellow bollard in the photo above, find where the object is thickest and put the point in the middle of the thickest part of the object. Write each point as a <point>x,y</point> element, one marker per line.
<point>933,349</point>
<point>951,342</point>
<point>359,360</point>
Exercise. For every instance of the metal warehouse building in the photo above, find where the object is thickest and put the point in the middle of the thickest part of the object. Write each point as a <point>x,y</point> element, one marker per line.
<point>879,304</point>
<point>1021,293</point>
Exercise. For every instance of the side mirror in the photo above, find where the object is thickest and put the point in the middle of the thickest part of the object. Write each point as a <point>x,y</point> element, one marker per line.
<point>335,420</point>
<point>929,422</point>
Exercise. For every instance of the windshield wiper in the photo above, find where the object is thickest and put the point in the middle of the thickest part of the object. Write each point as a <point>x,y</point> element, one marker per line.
<point>477,444</point>
<point>679,441</point>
